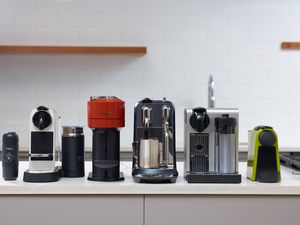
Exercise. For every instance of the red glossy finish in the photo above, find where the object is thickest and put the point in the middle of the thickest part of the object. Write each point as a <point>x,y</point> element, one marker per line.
<point>106,112</point>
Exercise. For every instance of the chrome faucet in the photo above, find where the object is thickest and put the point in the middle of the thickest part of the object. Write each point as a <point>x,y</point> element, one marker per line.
<point>211,92</point>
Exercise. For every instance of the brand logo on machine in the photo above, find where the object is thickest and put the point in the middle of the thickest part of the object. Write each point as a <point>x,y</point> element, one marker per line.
<point>105,113</point>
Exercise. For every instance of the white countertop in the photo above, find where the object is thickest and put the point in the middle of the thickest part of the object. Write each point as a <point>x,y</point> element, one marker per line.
<point>290,185</point>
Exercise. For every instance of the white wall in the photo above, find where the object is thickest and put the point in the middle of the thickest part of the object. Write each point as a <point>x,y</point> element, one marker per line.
<point>236,40</point>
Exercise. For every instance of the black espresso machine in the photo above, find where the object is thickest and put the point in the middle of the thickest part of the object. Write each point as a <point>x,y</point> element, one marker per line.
<point>154,149</point>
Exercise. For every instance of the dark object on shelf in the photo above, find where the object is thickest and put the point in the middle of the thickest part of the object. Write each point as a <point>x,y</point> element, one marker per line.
<point>213,178</point>
<point>263,162</point>
<point>72,150</point>
<point>211,145</point>
<point>291,160</point>
<point>154,155</point>
<point>105,115</point>
<point>10,156</point>
<point>42,147</point>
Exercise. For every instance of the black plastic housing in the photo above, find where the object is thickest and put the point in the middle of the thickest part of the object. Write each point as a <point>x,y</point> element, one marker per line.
<point>106,155</point>
<point>72,156</point>
<point>267,171</point>
<point>42,177</point>
<point>213,178</point>
<point>10,156</point>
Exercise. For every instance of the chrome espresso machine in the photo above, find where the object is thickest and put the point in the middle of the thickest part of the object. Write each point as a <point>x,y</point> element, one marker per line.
<point>211,145</point>
<point>154,149</point>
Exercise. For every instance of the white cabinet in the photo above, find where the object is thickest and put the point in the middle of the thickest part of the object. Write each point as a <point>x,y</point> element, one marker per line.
<point>149,209</point>
<point>234,210</point>
<point>71,209</point>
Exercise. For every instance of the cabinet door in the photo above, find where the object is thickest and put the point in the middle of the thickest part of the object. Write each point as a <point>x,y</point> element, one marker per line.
<point>74,209</point>
<point>198,210</point>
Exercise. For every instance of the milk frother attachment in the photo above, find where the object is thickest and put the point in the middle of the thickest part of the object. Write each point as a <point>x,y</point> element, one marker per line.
<point>226,149</point>
<point>72,150</point>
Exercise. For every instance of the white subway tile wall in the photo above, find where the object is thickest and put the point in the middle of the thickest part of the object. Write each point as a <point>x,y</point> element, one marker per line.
<point>238,41</point>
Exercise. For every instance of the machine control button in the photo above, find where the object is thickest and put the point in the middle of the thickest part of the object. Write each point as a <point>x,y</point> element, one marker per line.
<point>8,158</point>
<point>267,138</point>
<point>41,120</point>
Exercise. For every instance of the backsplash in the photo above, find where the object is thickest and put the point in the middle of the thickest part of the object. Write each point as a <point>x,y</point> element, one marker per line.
<point>238,41</point>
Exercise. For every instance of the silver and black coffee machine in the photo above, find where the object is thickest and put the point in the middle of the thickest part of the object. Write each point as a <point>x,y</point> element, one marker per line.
<point>211,145</point>
<point>154,155</point>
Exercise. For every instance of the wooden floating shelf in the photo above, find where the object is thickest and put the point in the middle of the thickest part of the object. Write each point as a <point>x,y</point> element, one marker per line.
<point>26,49</point>
<point>290,45</point>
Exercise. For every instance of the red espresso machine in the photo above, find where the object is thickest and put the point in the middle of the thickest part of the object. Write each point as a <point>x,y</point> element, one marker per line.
<point>105,115</point>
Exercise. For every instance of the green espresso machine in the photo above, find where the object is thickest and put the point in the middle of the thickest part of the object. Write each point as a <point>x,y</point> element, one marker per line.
<point>263,164</point>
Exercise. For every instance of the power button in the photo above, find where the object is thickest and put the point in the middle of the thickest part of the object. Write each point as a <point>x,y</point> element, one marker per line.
<point>8,158</point>
<point>267,138</point>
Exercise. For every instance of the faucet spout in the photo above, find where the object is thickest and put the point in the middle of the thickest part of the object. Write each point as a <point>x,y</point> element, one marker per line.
<point>211,92</point>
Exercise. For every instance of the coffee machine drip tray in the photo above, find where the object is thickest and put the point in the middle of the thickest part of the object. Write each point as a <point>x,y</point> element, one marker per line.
<point>192,177</point>
<point>105,178</point>
<point>39,177</point>
<point>155,175</point>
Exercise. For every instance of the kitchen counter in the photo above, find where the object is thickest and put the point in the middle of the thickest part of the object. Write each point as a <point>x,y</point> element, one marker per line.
<point>86,202</point>
<point>290,185</point>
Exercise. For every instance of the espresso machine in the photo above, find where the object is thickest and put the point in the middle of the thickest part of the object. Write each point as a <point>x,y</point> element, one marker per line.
<point>263,163</point>
<point>43,146</point>
<point>211,145</point>
<point>154,149</point>
<point>105,115</point>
